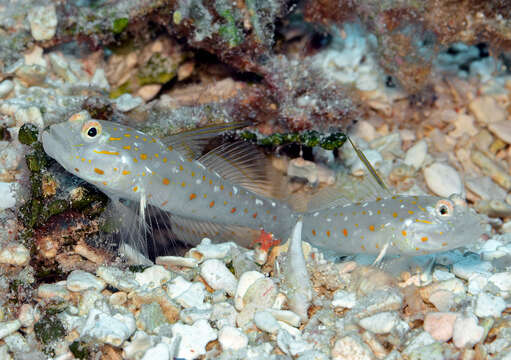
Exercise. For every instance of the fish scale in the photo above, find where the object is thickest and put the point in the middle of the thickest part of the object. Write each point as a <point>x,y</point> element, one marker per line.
<point>222,189</point>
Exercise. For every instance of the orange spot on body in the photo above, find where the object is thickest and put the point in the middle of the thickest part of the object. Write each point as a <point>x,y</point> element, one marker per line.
<point>266,240</point>
<point>424,239</point>
<point>328,233</point>
<point>164,160</point>
<point>183,184</point>
<point>98,171</point>
<point>403,232</point>
<point>164,203</point>
<point>166,181</point>
<point>104,183</point>
<point>170,148</point>
<point>364,212</point>
<point>127,135</point>
<point>345,232</point>
<point>410,212</point>
<point>135,188</point>
<point>233,210</point>
<point>181,168</point>
<point>211,204</point>
<point>193,196</point>
<point>156,155</point>
<point>76,169</point>
<point>371,227</point>
<point>313,232</point>
<point>254,215</point>
<point>143,156</point>
<point>126,172</point>
<point>114,139</point>
<point>394,214</point>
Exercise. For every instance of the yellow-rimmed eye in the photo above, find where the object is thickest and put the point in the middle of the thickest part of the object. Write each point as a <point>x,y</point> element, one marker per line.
<point>444,208</point>
<point>91,129</point>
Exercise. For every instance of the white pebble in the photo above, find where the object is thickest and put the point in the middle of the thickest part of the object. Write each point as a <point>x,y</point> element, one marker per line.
<point>108,329</point>
<point>218,276</point>
<point>476,283</point>
<point>489,305</point>
<point>467,332</point>
<point>230,338</point>
<point>158,352</point>
<point>416,155</point>
<point>153,277</point>
<point>51,291</point>
<point>502,281</point>
<point>351,347</point>
<point>440,325</point>
<point>502,129</point>
<point>28,315</point>
<point>127,102</point>
<point>80,280</point>
<point>381,323</point>
<point>466,268</point>
<point>286,316</point>
<point>138,344</point>
<point>246,280</point>
<point>17,343</point>
<point>122,280</point>
<point>194,338</point>
<point>8,327</point>
<point>344,299</point>
<point>99,80</point>
<point>223,314</point>
<point>43,21</point>
<point>187,294</point>
<point>177,261</point>
<point>15,254</point>
<point>266,322</point>
<point>8,198</point>
<point>441,275</point>
<point>5,88</point>
<point>30,115</point>
<point>359,168</point>
<point>443,180</point>
<point>207,250</point>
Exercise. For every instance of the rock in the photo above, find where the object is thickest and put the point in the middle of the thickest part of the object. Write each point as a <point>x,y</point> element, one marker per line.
<point>138,344</point>
<point>118,298</point>
<point>441,275</point>
<point>6,87</point>
<point>9,327</point>
<point>287,316</point>
<point>440,325</point>
<point>187,294</point>
<point>261,293</point>
<point>344,299</point>
<point>14,254</point>
<point>443,180</point>
<point>376,302</point>
<point>381,323</point>
<point>80,280</point>
<point>17,343</point>
<point>223,314</point>
<point>470,266</point>
<point>117,278</point>
<point>230,338</point>
<point>351,347</point>
<point>464,125</point>
<point>489,305</point>
<point>484,187</point>
<point>466,331</point>
<point>416,155</point>
<point>246,280</point>
<point>191,315</point>
<point>53,291</point>
<point>502,130</point>
<point>147,92</point>
<point>108,329</point>
<point>194,338</point>
<point>358,168</point>
<point>99,79</point>
<point>502,281</point>
<point>30,115</point>
<point>442,299</point>
<point>177,261</point>
<point>492,169</point>
<point>8,198</point>
<point>312,172</point>
<point>43,21</point>
<point>207,250</point>
<point>487,110</point>
<point>154,276</point>
<point>455,286</point>
<point>127,102</point>
<point>161,351</point>
<point>292,343</point>
<point>28,315</point>
<point>218,276</point>
<point>265,321</point>
<point>417,341</point>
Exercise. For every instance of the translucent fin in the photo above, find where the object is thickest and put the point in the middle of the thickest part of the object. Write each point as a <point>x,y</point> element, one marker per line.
<point>240,163</point>
<point>193,231</point>
<point>372,171</point>
<point>192,142</point>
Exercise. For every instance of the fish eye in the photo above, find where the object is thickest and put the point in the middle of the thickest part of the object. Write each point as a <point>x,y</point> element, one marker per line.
<point>444,208</point>
<point>91,129</point>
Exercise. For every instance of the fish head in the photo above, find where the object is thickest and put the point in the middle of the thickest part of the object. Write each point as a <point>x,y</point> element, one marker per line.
<point>81,145</point>
<point>442,224</point>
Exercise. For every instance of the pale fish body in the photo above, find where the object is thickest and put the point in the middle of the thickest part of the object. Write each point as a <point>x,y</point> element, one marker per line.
<point>410,225</point>
<point>126,163</point>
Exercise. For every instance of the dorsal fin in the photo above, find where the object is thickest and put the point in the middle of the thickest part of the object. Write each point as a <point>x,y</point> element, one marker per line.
<point>240,163</point>
<point>348,190</point>
<point>191,142</point>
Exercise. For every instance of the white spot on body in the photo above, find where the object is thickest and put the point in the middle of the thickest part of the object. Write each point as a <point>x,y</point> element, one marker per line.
<point>408,222</point>
<point>328,219</point>
<point>182,159</point>
<point>315,214</point>
<point>234,190</point>
<point>402,206</point>
<point>345,218</point>
<point>198,181</point>
<point>273,204</point>
<point>259,202</point>
<point>216,188</point>
<point>364,204</point>
<point>369,212</point>
<point>200,165</point>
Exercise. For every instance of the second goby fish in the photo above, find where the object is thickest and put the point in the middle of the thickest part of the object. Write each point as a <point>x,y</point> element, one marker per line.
<point>205,196</point>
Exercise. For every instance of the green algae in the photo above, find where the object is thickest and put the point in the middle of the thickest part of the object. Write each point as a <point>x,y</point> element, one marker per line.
<point>80,350</point>
<point>309,138</point>
<point>49,329</point>
<point>119,25</point>
<point>27,134</point>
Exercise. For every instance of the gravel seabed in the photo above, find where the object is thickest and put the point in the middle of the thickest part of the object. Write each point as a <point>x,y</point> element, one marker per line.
<point>227,302</point>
